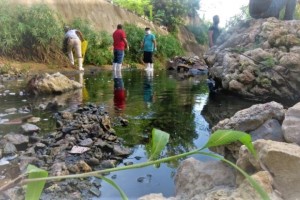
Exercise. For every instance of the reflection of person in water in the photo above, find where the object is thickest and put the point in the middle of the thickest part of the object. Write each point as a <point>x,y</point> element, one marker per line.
<point>148,88</point>
<point>119,91</point>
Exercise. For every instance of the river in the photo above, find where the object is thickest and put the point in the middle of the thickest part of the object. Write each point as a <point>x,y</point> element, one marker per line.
<point>164,100</point>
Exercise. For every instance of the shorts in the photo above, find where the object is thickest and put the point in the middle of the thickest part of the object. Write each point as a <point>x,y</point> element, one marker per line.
<point>148,57</point>
<point>118,56</point>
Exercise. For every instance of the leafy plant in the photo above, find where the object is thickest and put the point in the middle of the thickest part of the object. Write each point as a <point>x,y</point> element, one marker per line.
<point>30,33</point>
<point>159,140</point>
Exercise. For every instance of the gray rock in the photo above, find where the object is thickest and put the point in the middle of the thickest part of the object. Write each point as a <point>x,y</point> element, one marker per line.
<point>106,164</point>
<point>30,128</point>
<point>86,143</point>
<point>291,124</point>
<point>9,149</point>
<point>17,139</point>
<point>121,151</point>
<point>11,110</point>
<point>95,191</point>
<point>270,130</point>
<point>195,177</point>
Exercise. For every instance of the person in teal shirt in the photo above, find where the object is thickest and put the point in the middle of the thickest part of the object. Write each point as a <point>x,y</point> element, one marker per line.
<point>149,46</point>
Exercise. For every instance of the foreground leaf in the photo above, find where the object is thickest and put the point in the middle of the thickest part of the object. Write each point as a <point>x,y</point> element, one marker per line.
<point>34,189</point>
<point>159,142</point>
<point>122,193</point>
<point>223,137</point>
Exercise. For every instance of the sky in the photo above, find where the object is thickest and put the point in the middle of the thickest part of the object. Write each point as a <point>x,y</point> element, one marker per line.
<point>224,8</point>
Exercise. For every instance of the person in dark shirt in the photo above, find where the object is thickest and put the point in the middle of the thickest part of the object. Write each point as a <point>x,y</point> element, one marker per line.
<point>272,8</point>
<point>214,31</point>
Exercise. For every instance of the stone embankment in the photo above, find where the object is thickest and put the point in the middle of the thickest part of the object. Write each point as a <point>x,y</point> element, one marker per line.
<point>259,59</point>
<point>275,133</point>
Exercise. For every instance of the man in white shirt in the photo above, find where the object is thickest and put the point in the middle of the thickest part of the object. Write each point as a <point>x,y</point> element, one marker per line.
<point>74,39</point>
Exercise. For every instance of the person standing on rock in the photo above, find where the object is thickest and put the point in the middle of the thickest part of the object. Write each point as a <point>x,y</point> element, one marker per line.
<point>120,44</point>
<point>214,31</point>
<point>72,40</point>
<point>272,8</point>
<point>149,46</point>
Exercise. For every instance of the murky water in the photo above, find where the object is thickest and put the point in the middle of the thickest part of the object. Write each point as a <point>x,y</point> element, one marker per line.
<point>162,100</point>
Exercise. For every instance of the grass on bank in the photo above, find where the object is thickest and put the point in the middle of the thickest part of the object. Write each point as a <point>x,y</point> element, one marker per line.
<point>36,33</point>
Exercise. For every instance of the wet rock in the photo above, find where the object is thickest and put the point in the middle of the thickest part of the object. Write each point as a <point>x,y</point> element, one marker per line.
<point>141,179</point>
<point>55,83</point>
<point>19,140</point>
<point>93,161</point>
<point>59,169</point>
<point>291,124</point>
<point>128,163</point>
<point>67,115</point>
<point>86,143</point>
<point>9,149</point>
<point>121,151</point>
<point>270,130</point>
<point>106,164</point>
<point>34,120</point>
<point>83,167</point>
<point>95,191</point>
<point>195,178</point>
<point>30,128</point>
<point>39,145</point>
<point>15,193</point>
<point>114,176</point>
<point>11,110</point>
<point>25,160</point>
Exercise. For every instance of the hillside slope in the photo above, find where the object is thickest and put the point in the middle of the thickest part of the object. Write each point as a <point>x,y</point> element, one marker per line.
<point>105,16</point>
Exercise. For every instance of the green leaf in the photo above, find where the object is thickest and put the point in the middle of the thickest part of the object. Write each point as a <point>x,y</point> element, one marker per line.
<point>159,142</point>
<point>223,137</point>
<point>34,189</point>
<point>253,183</point>
<point>122,193</point>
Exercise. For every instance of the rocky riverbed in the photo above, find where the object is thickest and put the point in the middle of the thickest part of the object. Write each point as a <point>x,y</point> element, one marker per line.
<point>84,141</point>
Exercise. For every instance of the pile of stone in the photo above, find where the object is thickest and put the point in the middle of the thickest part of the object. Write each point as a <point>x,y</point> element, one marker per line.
<point>84,141</point>
<point>187,63</point>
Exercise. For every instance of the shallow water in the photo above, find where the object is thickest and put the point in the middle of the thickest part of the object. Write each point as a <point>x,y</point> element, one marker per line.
<point>163,100</point>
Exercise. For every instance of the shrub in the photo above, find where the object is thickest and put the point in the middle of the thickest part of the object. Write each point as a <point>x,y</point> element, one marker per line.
<point>30,33</point>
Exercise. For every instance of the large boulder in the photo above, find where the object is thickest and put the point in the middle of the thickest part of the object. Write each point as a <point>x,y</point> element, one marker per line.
<point>261,120</point>
<point>281,160</point>
<point>258,59</point>
<point>52,83</point>
<point>194,179</point>
<point>291,124</point>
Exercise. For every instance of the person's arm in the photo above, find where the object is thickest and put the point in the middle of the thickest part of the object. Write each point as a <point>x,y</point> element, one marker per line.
<point>125,40</point>
<point>126,43</point>
<point>210,38</point>
<point>80,35</point>
<point>155,44</point>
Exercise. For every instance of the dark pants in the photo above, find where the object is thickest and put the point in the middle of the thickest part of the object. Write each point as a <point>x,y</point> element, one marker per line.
<point>148,57</point>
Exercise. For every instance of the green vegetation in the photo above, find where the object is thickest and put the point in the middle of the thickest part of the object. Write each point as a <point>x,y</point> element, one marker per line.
<point>168,45</point>
<point>200,32</point>
<point>30,33</point>
<point>167,13</point>
<point>37,177</point>
<point>36,33</point>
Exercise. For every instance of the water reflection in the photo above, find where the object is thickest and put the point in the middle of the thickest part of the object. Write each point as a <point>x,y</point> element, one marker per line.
<point>148,88</point>
<point>119,91</point>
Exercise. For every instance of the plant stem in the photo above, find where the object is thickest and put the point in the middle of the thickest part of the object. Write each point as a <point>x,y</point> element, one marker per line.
<point>97,173</point>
